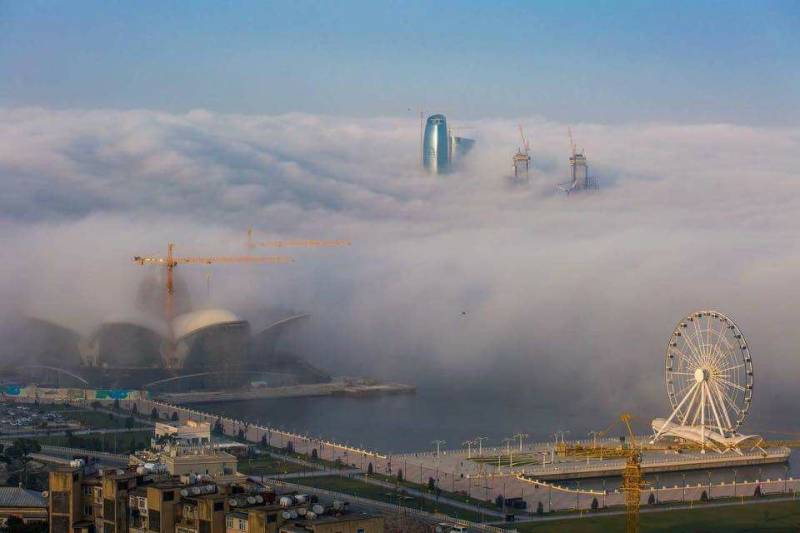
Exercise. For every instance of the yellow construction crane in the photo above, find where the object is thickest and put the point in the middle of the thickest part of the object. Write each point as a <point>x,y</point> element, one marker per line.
<point>170,262</point>
<point>297,243</point>
<point>632,480</point>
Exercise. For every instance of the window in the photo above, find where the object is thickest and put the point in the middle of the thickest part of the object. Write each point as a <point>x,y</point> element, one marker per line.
<point>242,525</point>
<point>229,522</point>
<point>219,506</point>
<point>360,530</point>
<point>272,517</point>
<point>169,496</point>
<point>205,526</point>
<point>155,520</point>
<point>60,502</point>
<point>60,524</point>
<point>108,509</point>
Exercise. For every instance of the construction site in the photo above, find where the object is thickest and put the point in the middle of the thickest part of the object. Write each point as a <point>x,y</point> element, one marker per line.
<point>169,344</point>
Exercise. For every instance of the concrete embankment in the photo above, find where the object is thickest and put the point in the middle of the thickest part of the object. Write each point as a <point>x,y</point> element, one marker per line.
<point>334,388</point>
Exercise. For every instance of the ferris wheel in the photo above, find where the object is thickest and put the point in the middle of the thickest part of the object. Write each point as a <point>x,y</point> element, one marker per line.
<point>709,374</point>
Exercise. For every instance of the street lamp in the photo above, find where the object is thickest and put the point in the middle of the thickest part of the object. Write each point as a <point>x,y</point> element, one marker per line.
<point>593,434</point>
<point>468,444</point>
<point>480,440</point>
<point>508,442</point>
<point>683,498</point>
<point>438,443</point>
<point>521,436</point>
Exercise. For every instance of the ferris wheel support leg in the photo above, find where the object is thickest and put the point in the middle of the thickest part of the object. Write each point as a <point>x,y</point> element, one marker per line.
<point>674,412</point>
<point>721,400</point>
<point>702,420</point>
<point>714,410</point>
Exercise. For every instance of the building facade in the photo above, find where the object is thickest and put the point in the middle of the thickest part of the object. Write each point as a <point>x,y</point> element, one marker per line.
<point>84,499</point>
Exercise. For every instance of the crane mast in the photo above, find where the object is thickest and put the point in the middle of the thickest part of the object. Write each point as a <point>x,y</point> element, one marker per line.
<point>632,480</point>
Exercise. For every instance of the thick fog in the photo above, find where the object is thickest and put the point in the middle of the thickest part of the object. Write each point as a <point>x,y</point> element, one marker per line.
<point>464,276</point>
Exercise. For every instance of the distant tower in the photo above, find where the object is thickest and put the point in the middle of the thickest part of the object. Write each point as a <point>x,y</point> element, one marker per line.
<point>436,146</point>
<point>522,160</point>
<point>578,169</point>
<point>441,150</point>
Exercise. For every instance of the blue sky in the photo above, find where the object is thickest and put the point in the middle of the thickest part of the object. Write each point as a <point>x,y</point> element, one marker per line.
<point>595,61</point>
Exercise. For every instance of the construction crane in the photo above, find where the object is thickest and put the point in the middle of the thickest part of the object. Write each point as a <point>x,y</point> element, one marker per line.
<point>170,262</point>
<point>297,243</point>
<point>632,479</point>
<point>522,158</point>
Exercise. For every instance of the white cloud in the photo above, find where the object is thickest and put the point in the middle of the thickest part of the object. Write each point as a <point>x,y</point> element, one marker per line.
<point>584,288</point>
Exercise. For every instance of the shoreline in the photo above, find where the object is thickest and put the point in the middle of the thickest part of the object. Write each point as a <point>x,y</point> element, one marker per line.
<point>334,388</point>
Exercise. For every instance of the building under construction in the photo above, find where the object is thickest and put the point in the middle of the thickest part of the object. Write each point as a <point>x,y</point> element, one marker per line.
<point>521,161</point>
<point>580,179</point>
<point>168,344</point>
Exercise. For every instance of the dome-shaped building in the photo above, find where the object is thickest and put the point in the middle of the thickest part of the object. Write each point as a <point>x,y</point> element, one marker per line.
<point>127,341</point>
<point>212,340</point>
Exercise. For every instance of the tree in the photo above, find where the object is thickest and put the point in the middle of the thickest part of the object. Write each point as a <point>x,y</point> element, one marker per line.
<point>651,500</point>
<point>129,422</point>
<point>595,504</point>
<point>241,433</point>
<point>400,474</point>
<point>314,454</point>
<point>21,448</point>
<point>116,404</point>
<point>500,501</point>
<point>757,493</point>
<point>369,469</point>
<point>135,409</point>
<point>16,525</point>
<point>111,416</point>
<point>431,484</point>
<point>289,447</point>
<point>174,416</point>
<point>154,414</point>
<point>539,509</point>
<point>264,441</point>
<point>96,405</point>
<point>704,497</point>
<point>218,429</point>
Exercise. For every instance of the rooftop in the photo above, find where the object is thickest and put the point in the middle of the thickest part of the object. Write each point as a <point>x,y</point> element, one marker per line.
<point>19,497</point>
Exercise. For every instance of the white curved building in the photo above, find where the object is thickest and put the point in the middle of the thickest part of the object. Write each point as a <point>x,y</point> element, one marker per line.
<point>125,341</point>
<point>211,340</point>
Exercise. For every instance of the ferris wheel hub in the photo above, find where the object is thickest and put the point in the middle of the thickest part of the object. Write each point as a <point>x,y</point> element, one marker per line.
<point>701,375</point>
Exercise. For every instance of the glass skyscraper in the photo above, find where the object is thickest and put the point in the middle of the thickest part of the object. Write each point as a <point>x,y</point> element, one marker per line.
<point>435,145</point>
<point>440,150</point>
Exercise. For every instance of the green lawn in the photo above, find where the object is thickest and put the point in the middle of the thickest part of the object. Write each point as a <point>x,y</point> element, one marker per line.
<point>458,496</point>
<point>266,465</point>
<point>112,442</point>
<point>772,517</point>
<point>100,420</point>
<point>356,487</point>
